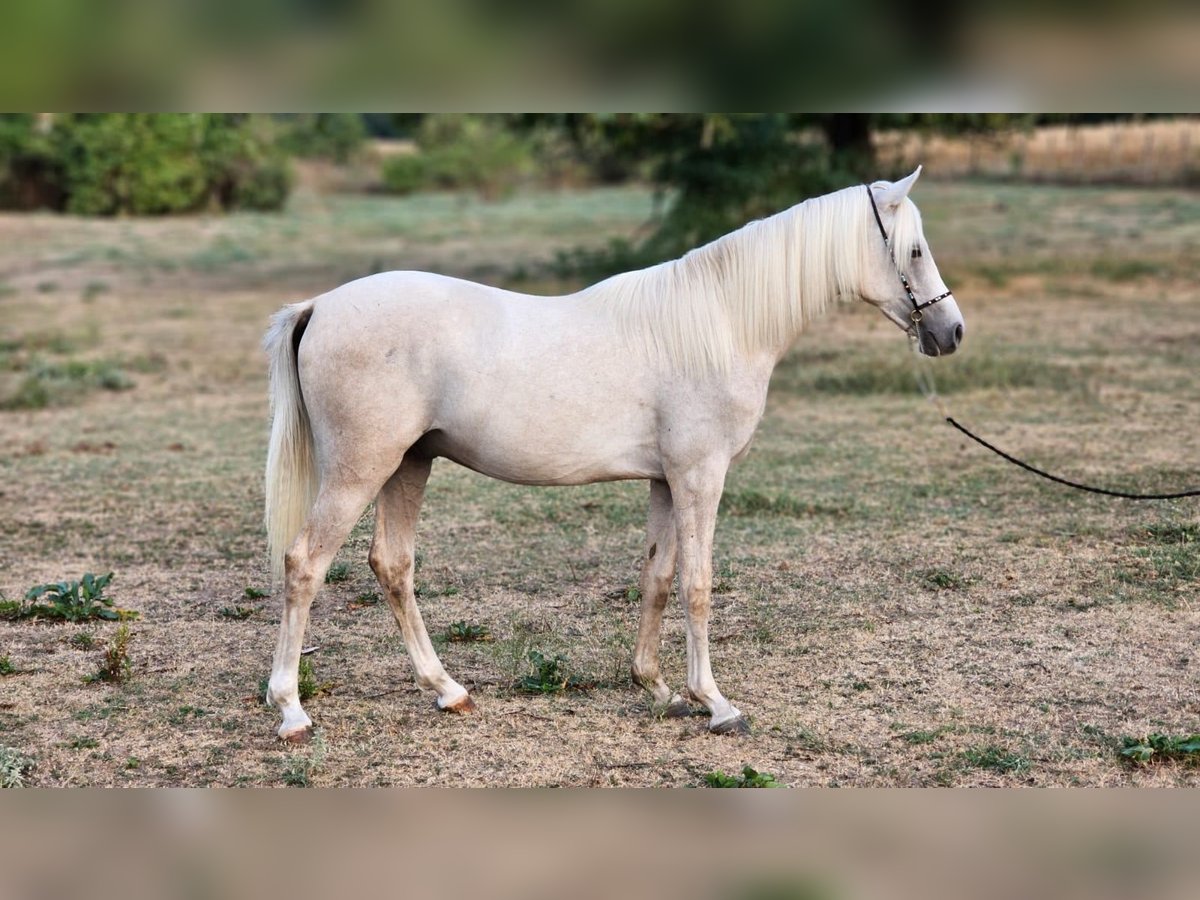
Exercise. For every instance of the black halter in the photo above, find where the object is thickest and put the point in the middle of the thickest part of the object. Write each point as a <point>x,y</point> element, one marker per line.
<point>917,313</point>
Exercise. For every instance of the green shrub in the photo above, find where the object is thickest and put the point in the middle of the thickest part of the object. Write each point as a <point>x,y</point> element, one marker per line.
<point>407,174</point>
<point>462,152</point>
<point>335,136</point>
<point>141,163</point>
<point>54,383</point>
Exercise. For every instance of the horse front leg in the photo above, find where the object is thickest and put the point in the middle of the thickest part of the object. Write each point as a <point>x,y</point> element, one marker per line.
<point>658,571</point>
<point>696,496</point>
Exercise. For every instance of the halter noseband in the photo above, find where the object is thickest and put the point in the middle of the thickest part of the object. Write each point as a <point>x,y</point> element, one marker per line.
<point>917,313</point>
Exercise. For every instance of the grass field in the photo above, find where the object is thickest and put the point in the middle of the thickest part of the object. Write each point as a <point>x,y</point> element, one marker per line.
<point>893,606</point>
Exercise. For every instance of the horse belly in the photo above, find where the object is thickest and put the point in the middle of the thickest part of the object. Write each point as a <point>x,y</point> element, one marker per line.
<point>552,443</point>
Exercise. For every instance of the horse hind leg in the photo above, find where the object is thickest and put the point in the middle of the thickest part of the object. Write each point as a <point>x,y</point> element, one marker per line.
<point>658,571</point>
<point>334,513</point>
<point>392,559</point>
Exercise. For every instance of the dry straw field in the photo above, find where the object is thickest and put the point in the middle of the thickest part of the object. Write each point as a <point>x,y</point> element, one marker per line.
<point>893,606</point>
<point>1154,152</point>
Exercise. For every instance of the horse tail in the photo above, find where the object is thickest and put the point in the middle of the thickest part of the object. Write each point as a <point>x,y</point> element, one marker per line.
<point>291,478</point>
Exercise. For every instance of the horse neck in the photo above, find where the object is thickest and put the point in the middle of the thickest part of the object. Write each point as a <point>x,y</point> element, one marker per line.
<point>758,273</point>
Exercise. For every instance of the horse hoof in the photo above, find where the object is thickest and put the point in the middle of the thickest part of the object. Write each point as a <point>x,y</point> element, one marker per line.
<point>737,725</point>
<point>677,709</point>
<point>297,737</point>
<point>463,706</point>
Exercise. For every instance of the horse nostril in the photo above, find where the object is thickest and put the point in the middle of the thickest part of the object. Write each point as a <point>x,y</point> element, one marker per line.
<point>958,333</point>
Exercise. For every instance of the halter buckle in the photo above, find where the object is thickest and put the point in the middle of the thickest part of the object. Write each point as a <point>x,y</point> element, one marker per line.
<point>916,315</point>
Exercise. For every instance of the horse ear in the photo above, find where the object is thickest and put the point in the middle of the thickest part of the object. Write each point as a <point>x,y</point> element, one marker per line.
<point>890,195</point>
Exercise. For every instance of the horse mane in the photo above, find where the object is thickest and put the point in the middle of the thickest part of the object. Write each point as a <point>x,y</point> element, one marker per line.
<point>755,288</point>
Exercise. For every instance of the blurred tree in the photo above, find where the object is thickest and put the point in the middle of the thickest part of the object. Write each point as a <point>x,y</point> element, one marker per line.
<point>717,171</point>
<point>140,163</point>
<point>335,136</point>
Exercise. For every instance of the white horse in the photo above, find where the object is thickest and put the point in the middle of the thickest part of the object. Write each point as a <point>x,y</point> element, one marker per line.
<point>659,374</point>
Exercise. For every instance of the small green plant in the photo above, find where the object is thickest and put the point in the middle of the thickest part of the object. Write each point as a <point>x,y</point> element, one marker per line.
<point>750,778</point>
<point>368,598</point>
<point>186,713</point>
<point>116,667</point>
<point>299,768</point>
<point>71,601</point>
<point>462,632</point>
<point>6,666</point>
<point>14,766</point>
<point>236,612</point>
<point>82,640</point>
<point>253,593</point>
<point>1159,747</point>
<point>83,743</point>
<point>941,580</point>
<point>338,573</point>
<point>308,685</point>
<point>550,675</point>
<point>995,759</point>
<point>924,736</point>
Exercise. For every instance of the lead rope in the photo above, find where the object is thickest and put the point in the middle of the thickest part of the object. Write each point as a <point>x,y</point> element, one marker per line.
<point>925,383</point>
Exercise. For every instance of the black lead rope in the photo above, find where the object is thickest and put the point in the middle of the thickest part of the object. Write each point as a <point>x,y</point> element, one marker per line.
<point>925,383</point>
<point>1125,495</point>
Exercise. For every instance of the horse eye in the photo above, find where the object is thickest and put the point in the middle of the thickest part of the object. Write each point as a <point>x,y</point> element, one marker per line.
<point>916,252</point>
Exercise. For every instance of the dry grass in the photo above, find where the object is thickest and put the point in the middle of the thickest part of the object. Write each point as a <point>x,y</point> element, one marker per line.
<point>1148,153</point>
<point>893,606</point>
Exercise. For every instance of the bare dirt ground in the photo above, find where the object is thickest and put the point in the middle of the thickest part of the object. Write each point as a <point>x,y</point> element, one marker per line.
<point>893,605</point>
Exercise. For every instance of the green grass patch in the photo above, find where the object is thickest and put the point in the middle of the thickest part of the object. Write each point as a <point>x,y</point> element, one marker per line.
<point>236,612</point>
<point>299,768</point>
<point>338,573</point>
<point>61,383</point>
<point>1172,550</point>
<point>864,374</point>
<point>14,767</point>
<point>751,502</point>
<point>749,778</point>
<point>994,758</point>
<point>940,579</point>
<point>1158,748</point>
<point>82,640</point>
<point>6,666</point>
<point>1110,269</point>
<point>920,736</point>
